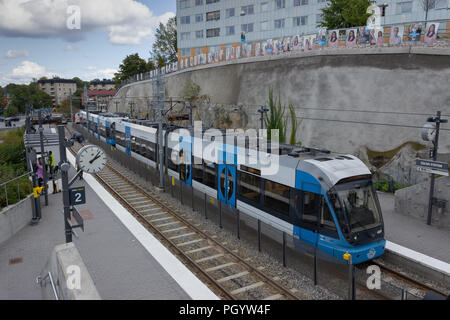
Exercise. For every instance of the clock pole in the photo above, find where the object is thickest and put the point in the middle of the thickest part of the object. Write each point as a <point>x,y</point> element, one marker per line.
<point>437,120</point>
<point>64,165</point>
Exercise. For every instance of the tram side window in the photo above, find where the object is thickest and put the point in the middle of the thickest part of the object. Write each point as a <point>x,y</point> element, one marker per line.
<point>197,170</point>
<point>102,130</point>
<point>133,144</point>
<point>250,187</point>
<point>151,150</point>
<point>171,164</point>
<point>120,138</point>
<point>210,175</point>
<point>141,147</point>
<point>311,207</point>
<point>108,132</point>
<point>326,221</point>
<point>277,197</point>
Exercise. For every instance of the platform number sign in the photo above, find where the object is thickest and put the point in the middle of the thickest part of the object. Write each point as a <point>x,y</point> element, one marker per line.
<point>77,196</point>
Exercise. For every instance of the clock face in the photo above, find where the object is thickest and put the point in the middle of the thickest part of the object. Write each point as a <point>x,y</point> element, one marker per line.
<point>91,159</point>
<point>429,132</point>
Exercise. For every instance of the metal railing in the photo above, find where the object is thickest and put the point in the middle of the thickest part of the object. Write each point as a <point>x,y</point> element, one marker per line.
<point>219,56</point>
<point>17,187</point>
<point>41,281</point>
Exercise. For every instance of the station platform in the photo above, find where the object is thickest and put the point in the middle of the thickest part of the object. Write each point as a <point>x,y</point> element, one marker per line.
<point>414,234</point>
<point>124,260</point>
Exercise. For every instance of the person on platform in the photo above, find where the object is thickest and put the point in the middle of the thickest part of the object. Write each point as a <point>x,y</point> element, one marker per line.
<point>40,172</point>
<point>51,162</point>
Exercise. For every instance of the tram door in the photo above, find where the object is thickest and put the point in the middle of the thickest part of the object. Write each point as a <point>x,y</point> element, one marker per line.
<point>185,167</point>
<point>227,184</point>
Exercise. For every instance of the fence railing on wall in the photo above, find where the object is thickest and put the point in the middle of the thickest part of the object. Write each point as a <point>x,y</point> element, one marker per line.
<point>15,190</point>
<point>431,33</point>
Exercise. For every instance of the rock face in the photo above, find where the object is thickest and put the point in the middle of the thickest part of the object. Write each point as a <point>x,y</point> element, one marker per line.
<point>413,201</point>
<point>402,167</point>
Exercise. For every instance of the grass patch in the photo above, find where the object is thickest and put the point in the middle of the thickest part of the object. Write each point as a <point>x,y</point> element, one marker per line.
<point>383,185</point>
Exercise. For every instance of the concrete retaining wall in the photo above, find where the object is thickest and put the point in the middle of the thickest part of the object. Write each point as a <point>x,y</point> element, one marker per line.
<point>14,218</point>
<point>413,201</point>
<point>64,264</point>
<point>407,80</point>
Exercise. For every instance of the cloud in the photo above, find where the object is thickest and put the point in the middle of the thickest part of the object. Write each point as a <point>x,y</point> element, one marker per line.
<point>69,48</point>
<point>11,54</point>
<point>28,70</point>
<point>107,73</point>
<point>128,22</point>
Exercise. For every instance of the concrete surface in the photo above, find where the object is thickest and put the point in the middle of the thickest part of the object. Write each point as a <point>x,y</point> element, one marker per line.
<point>61,264</point>
<point>413,233</point>
<point>14,218</point>
<point>403,79</point>
<point>413,201</point>
<point>119,265</point>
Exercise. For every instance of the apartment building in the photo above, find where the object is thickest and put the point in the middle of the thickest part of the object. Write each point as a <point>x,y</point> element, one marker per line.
<point>58,89</point>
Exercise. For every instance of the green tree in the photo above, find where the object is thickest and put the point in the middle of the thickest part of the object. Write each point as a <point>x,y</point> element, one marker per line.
<point>11,110</point>
<point>165,47</point>
<point>130,66</point>
<point>2,101</point>
<point>339,14</point>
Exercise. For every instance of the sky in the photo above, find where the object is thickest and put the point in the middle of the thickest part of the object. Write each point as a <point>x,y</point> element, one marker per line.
<point>75,38</point>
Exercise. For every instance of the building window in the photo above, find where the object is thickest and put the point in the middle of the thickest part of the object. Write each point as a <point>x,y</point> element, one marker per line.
<point>264,25</point>
<point>211,1</point>
<point>229,13</point>
<point>277,197</point>
<point>279,23</point>
<point>212,16</point>
<point>184,4</point>
<point>438,4</point>
<point>248,27</point>
<point>264,6</point>
<point>185,52</point>
<point>280,4</point>
<point>198,2</point>
<point>300,21</point>
<point>198,51</point>
<point>404,7</point>
<point>199,34</point>
<point>250,187</point>
<point>247,10</point>
<point>185,20</point>
<point>185,35</point>
<point>230,31</point>
<point>321,1</point>
<point>319,18</point>
<point>199,17</point>
<point>211,33</point>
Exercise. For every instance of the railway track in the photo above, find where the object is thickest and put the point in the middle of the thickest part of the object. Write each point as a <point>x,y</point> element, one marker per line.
<point>226,273</point>
<point>403,281</point>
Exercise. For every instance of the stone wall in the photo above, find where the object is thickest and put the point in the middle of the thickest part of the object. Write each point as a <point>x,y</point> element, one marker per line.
<point>14,218</point>
<point>413,201</point>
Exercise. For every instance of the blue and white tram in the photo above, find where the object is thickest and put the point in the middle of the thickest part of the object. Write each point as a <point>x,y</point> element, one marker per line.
<point>322,199</point>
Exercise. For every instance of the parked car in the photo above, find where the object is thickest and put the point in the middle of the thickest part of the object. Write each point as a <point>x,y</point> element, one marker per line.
<point>2,119</point>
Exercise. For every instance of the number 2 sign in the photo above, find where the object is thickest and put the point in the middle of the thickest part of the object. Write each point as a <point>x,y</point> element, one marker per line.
<point>77,196</point>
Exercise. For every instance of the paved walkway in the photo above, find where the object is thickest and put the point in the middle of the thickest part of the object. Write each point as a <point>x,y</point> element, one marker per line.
<point>119,265</point>
<point>413,233</point>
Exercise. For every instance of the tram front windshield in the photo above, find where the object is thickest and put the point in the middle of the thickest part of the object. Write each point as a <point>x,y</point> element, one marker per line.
<point>356,205</point>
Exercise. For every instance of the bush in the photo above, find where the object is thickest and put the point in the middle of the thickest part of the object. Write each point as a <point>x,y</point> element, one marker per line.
<point>12,165</point>
<point>383,185</point>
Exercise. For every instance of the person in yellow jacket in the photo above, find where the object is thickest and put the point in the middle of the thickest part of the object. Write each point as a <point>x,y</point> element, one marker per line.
<point>51,162</point>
